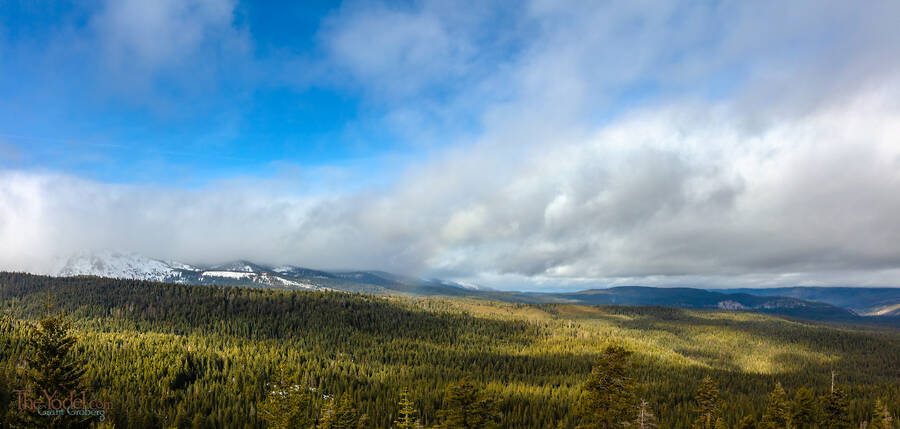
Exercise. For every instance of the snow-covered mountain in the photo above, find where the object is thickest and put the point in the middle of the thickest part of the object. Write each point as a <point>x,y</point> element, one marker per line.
<point>244,273</point>
<point>120,265</point>
<point>134,266</point>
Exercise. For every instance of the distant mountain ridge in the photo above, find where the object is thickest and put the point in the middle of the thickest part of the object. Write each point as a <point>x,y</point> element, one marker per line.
<point>124,265</point>
<point>841,304</point>
<point>703,299</point>
<point>866,301</point>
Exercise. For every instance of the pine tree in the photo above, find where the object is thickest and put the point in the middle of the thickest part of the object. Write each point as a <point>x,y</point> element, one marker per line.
<point>345,417</point>
<point>364,422</point>
<point>607,399</point>
<point>182,419</point>
<point>407,418</point>
<point>328,416</point>
<point>465,408</point>
<point>778,412</point>
<point>881,417</point>
<point>803,410</point>
<point>199,421</point>
<point>645,418</point>
<point>708,404</point>
<point>748,422</point>
<point>720,423</point>
<point>53,367</point>
<point>6,395</point>
<point>835,414</point>
<point>287,407</point>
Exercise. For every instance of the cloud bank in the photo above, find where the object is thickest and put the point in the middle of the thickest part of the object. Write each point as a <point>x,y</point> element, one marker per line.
<point>673,195</point>
<point>718,144</point>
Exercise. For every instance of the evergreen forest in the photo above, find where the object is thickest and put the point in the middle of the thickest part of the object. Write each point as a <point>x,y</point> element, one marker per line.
<point>177,356</point>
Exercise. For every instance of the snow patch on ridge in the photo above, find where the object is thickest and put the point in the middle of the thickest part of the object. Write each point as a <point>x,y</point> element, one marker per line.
<point>470,286</point>
<point>118,265</point>
<point>227,274</point>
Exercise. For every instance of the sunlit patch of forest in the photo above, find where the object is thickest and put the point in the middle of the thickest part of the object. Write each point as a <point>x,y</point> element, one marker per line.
<point>169,355</point>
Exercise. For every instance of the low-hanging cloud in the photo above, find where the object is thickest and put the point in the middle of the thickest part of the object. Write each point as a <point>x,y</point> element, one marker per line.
<point>662,195</point>
<point>763,157</point>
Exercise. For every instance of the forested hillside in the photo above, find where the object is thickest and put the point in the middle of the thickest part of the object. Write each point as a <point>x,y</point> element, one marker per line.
<point>868,300</point>
<point>852,305</point>
<point>167,355</point>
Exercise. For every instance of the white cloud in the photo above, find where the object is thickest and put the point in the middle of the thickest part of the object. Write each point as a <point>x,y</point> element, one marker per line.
<point>762,151</point>
<point>158,35</point>
<point>665,195</point>
<point>398,51</point>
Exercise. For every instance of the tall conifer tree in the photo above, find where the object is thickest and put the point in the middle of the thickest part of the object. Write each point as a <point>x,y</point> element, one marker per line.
<point>748,422</point>
<point>53,365</point>
<point>835,413</point>
<point>803,409</point>
<point>346,416</point>
<point>607,399</point>
<point>778,412</point>
<point>466,408</point>
<point>53,368</point>
<point>407,419</point>
<point>708,405</point>
<point>881,417</point>
<point>287,406</point>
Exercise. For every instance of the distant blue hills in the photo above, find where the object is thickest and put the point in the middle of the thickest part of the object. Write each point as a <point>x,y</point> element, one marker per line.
<point>844,304</point>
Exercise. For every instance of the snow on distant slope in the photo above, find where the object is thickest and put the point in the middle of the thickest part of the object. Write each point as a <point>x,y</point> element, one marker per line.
<point>118,265</point>
<point>228,274</point>
<point>126,265</point>
<point>273,280</point>
<point>262,277</point>
<point>238,266</point>
<point>470,286</point>
<point>133,266</point>
<point>182,266</point>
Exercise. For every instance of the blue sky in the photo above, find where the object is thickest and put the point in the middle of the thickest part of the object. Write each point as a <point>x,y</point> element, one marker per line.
<point>524,145</point>
<point>69,106</point>
<point>259,88</point>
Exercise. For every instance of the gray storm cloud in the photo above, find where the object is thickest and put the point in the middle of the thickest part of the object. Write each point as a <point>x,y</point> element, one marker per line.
<point>770,156</point>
